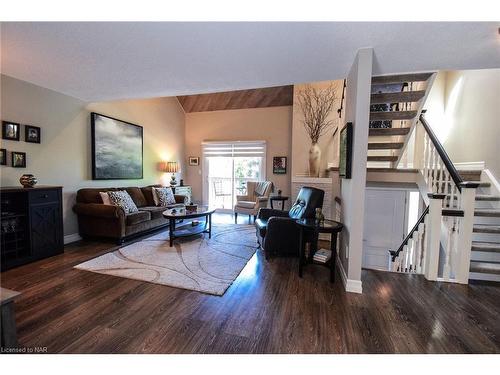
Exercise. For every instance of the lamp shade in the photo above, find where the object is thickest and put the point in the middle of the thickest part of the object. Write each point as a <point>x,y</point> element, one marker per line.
<point>171,167</point>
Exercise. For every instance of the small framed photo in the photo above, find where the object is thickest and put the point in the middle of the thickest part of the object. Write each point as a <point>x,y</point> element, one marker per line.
<point>32,134</point>
<point>11,130</point>
<point>279,165</point>
<point>3,156</point>
<point>18,159</point>
<point>194,160</point>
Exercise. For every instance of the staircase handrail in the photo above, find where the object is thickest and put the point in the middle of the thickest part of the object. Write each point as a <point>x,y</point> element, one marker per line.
<point>394,254</point>
<point>457,179</point>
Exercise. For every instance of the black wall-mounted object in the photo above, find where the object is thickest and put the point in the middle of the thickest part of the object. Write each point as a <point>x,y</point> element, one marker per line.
<point>31,224</point>
<point>345,159</point>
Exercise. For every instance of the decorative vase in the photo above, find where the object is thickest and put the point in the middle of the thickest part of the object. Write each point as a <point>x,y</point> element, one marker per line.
<point>314,160</point>
<point>28,180</point>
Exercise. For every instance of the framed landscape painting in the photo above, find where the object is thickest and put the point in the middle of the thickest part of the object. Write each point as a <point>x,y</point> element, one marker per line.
<point>116,149</point>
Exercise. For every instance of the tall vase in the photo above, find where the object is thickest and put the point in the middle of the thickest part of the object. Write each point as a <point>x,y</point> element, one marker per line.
<point>314,160</point>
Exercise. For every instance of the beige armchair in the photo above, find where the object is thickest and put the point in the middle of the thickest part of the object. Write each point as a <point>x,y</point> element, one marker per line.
<point>256,198</point>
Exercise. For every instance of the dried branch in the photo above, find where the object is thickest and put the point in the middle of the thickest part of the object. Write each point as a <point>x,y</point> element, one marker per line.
<point>316,105</point>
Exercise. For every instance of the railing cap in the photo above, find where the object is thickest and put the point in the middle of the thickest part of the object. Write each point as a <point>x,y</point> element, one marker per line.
<point>436,196</point>
<point>469,185</point>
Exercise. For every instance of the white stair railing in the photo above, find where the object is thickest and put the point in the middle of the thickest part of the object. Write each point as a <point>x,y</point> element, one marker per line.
<point>439,246</point>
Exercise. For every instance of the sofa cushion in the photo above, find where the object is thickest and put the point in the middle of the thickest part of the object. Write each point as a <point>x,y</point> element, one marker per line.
<point>156,212</point>
<point>122,199</point>
<point>137,217</point>
<point>261,225</point>
<point>137,196</point>
<point>163,196</point>
<point>91,195</point>
<point>147,191</point>
<point>245,204</point>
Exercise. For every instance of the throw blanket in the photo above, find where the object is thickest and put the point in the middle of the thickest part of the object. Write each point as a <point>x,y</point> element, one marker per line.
<point>261,187</point>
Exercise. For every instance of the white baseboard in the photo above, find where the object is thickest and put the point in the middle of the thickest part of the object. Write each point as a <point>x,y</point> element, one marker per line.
<point>352,286</point>
<point>470,166</point>
<point>72,238</point>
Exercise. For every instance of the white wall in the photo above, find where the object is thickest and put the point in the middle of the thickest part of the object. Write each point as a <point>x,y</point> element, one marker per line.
<point>353,190</point>
<point>64,156</point>
<point>464,111</point>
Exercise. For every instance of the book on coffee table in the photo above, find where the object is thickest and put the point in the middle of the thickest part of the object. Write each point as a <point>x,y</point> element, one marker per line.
<point>322,255</point>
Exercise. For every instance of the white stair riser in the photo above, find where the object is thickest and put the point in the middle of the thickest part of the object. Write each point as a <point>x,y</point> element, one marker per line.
<point>484,276</point>
<point>487,220</point>
<point>486,237</point>
<point>486,257</point>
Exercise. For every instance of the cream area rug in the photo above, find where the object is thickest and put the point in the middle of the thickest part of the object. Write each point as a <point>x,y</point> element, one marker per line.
<point>195,263</point>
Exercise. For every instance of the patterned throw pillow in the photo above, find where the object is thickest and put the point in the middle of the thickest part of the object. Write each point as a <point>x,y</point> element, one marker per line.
<point>122,199</point>
<point>165,196</point>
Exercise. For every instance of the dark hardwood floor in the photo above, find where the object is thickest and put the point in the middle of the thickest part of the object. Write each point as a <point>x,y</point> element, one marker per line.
<point>268,309</point>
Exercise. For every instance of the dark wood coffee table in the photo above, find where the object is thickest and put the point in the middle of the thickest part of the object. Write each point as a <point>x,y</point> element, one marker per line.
<point>188,229</point>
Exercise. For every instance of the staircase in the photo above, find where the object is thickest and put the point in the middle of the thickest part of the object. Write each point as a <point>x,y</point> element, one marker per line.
<point>485,249</point>
<point>396,102</point>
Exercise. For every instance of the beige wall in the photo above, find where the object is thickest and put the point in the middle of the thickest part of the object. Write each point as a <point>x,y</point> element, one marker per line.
<point>300,139</point>
<point>272,125</point>
<point>464,110</point>
<point>64,156</point>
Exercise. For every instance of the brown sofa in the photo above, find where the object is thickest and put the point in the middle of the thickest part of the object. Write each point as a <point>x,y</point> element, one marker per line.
<point>98,220</point>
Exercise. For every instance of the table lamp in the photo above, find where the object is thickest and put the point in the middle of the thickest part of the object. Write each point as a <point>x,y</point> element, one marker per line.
<point>172,167</point>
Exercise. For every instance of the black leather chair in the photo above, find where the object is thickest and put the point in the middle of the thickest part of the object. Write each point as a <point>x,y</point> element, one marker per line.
<point>277,232</point>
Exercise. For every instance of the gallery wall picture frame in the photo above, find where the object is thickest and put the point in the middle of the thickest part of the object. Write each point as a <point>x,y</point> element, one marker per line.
<point>117,148</point>
<point>18,159</point>
<point>3,156</point>
<point>194,160</point>
<point>11,130</point>
<point>345,159</point>
<point>32,134</point>
<point>279,164</point>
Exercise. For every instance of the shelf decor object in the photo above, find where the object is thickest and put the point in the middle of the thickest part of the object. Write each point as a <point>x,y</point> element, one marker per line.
<point>28,180</point>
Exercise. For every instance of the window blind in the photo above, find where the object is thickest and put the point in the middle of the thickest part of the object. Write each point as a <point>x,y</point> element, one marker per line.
<point>234,149</point>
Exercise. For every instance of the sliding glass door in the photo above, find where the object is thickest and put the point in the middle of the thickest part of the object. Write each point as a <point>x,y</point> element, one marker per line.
<point>227,166</point>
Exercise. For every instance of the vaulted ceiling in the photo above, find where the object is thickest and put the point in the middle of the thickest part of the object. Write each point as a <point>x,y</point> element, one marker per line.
<point>97,61</point>
<point>254,98</point>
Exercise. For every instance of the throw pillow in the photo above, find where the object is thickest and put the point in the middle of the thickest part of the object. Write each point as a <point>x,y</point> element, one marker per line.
<point>122,199</point>
<point>105,198</point>
<point>164,196</point>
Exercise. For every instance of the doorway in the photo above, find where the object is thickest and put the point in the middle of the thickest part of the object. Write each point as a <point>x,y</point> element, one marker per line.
<point>389,213</point>
<point>227,167</point>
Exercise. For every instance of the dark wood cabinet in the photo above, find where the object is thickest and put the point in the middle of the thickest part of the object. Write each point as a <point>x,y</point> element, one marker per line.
<point>30,224</point>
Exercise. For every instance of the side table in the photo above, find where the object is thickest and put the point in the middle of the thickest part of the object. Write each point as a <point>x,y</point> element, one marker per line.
<point>325,226</point>
<point>278,198</point>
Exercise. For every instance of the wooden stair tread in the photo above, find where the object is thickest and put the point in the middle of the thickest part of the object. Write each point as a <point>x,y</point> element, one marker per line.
<point>385,146</point>
<point>490,247</point>
<point>388,132</point>
<point>486,229</point>
<point>382,158</point>
<point>397,97</point>
<point>485,267</point>
<point>392,115</point>
<point>400,78</point>
<point>392,170</point>
<point>487,213</point>
<point>470,175</point>
<point>486,197</point>
<point>481,184</point>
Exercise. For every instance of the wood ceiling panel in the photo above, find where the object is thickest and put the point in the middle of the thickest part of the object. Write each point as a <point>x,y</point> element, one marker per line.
<point>254,98</point>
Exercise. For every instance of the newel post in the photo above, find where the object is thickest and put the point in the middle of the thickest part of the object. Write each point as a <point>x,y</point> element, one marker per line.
<point>433,235</point>
<point>465,231</point>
